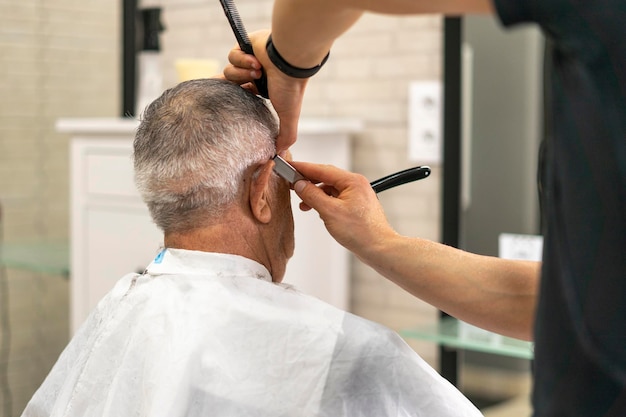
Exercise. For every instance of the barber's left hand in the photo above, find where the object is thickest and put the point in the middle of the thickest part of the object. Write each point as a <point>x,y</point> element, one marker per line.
<point>242,69</point>
<point>286,93</point>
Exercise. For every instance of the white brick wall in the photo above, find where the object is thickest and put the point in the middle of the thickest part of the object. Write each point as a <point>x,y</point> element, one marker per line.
<point>61,59</point>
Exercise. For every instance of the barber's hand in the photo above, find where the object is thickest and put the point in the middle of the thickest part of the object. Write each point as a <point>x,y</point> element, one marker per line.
<point>286,93</point>
<point>348,206</point>
<point>243,69</point>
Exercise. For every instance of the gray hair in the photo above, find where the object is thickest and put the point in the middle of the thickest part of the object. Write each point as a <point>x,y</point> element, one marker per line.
<point>193,146</point>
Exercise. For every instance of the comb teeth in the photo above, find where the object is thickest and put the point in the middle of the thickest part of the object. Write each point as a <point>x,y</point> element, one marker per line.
<point>237,25</point>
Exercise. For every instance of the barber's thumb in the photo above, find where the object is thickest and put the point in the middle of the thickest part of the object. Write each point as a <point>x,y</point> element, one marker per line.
<point>300,185</point>
<point>307,192</point>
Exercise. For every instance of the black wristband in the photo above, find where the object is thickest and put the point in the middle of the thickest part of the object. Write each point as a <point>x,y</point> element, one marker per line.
<point>288,69</point>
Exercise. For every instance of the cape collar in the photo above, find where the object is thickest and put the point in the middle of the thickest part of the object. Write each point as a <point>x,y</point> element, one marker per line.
<point>189,262</point>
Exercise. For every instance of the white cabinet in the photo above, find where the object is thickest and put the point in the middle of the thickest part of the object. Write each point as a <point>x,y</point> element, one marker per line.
<point>112,233</point>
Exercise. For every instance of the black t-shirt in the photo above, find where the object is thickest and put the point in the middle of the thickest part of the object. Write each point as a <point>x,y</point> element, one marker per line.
<point>580,331</point>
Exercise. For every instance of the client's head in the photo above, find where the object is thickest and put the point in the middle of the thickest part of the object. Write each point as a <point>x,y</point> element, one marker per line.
<point>202,156</point>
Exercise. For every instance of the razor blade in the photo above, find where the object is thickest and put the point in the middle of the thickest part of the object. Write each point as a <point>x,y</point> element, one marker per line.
<point>286,171</point>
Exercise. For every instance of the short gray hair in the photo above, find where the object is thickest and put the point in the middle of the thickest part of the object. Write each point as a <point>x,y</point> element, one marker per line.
<point>192,148</point>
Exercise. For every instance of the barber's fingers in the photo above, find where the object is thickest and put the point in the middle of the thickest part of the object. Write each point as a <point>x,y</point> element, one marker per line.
<point>346,204</point>
<point>286,93</point>
<point>250,86</point>
<point>321,198</point>
<point>326,188</point>
<point>240,59</point>
<point>240,76</point>
<point>330,175</point>
<point>242,68</point>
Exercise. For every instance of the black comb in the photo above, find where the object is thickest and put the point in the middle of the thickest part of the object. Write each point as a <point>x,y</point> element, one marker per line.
<point>244,42</point>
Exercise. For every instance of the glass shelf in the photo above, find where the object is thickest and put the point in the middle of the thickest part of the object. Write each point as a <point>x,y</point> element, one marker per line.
<point>43,257</point>
<point>453,333</point>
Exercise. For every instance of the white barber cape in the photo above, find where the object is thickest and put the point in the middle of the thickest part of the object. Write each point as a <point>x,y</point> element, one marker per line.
<point>205,334</point>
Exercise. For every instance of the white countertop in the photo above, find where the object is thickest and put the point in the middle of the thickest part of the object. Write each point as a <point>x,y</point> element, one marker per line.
<point>125,126</point>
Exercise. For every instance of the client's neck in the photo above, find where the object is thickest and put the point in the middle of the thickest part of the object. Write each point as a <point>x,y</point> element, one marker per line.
<point>238,237</point>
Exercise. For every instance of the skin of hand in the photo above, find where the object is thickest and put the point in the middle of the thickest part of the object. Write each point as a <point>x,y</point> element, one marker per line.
<point>286,93</point>
<point>346,204</point>
<point>489,292</point>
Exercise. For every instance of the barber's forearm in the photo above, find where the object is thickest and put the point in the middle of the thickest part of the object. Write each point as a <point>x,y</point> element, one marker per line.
<point>489,292</point>
<point>304,30</point>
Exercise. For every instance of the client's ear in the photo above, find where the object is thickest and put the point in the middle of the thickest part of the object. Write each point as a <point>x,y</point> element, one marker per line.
<point>260,195</point>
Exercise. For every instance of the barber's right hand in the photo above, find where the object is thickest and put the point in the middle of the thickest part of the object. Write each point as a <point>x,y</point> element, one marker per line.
<point>286,93</point>
<point>348,206</point>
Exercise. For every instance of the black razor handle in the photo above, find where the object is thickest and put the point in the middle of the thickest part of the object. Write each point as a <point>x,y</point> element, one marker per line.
<point>399,178</point>
<point>232,14</point>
